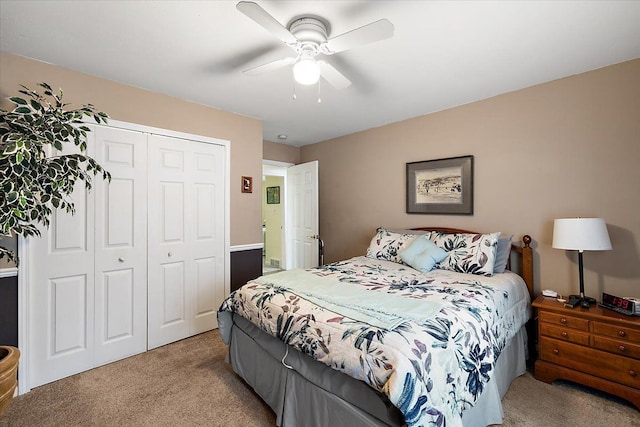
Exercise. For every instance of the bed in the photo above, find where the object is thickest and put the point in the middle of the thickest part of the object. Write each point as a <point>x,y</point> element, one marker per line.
<point>394,345</point>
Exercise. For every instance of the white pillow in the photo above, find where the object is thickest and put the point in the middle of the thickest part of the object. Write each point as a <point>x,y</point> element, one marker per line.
<point>387,244</point>
<point>468,253</point>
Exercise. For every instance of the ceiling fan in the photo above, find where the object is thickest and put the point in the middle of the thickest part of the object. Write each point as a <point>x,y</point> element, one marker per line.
<point>308,37</point>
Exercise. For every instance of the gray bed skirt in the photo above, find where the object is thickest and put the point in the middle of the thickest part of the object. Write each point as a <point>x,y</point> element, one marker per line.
<point>303,392</point>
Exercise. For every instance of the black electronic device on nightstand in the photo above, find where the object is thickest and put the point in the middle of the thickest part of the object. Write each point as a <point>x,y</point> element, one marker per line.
<point>621,305</point>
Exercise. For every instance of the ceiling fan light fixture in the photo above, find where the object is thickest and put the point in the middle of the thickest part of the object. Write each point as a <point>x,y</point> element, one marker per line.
<point>306,72</point>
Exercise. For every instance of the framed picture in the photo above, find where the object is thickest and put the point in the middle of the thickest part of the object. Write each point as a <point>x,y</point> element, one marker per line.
<point>247,184</point>
<point>442,186</point>
<point>273,195</point>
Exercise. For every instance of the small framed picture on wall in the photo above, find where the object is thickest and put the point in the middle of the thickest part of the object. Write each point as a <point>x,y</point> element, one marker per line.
<point>273,195</point>
<point>247,184</point>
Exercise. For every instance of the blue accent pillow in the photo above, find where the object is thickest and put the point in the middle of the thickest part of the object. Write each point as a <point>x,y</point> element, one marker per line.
<point>422,254</point>
<point>502,254</point>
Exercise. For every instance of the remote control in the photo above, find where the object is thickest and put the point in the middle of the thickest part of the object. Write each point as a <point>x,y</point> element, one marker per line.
<point>573,301</point>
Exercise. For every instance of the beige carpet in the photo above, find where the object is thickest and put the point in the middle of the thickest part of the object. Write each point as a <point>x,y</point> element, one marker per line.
<point>189,384</point>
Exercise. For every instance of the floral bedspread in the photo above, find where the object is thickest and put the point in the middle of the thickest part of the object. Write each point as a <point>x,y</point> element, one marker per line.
<point>431,371</point>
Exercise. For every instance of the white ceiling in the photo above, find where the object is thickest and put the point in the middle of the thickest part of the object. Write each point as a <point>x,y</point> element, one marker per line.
<point>442,54</point>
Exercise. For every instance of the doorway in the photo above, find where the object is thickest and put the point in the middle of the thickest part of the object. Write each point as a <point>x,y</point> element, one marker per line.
<point>294,221</point>
<point>273,215</point>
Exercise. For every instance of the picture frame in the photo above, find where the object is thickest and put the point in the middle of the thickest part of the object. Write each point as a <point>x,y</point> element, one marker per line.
<point>247,184</point>
<point>440,186</point>
<point>273,195</point>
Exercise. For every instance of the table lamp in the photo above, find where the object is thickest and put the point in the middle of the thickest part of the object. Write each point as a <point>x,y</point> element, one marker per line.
<point>581,234</point>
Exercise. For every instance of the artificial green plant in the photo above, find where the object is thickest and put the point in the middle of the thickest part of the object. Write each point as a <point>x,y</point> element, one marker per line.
<point>35,177</point>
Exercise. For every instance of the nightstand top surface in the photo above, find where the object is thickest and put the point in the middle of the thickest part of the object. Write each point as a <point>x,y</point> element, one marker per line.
<point>593,312</point>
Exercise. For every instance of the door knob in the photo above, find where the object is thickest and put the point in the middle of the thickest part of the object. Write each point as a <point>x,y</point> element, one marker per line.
<point>314,236</point>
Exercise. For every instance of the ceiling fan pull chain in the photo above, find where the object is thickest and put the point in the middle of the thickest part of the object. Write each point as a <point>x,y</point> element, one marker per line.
<point>294,90</point>
<point>319,99</point>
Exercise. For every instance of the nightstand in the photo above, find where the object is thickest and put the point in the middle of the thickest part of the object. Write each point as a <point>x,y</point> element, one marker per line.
<point>595,347</point>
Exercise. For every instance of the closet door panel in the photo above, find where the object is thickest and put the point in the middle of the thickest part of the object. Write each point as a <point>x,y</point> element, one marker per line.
<point>68,309</point>
<point>120,219</point>
<point>61,292</point>
<point>172,211</point>
<point>121,245</point>
<point>63,241</point>
<point>118,305</point>
<point>205,303</point>
<point>168,269</point>
<point>174,311</point>
<point>207,241</point>
<point>186,226</point>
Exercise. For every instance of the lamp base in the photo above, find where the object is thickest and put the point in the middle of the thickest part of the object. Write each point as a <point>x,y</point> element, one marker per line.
<point>585,301</point>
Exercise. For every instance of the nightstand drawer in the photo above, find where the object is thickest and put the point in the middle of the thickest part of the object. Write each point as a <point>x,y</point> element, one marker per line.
<point>563,320</point>
<point>620,369</point>
<point>617,332</point>
<point>564,333</point>
<point>623,348</point>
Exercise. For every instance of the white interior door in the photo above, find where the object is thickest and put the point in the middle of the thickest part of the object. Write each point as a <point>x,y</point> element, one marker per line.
<point>121,245</point>
<point>302,227</point>
<point>61,293</point>
<point>186,238</point>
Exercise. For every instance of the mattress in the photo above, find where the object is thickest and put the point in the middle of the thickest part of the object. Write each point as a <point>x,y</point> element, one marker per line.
<point>432,370</point>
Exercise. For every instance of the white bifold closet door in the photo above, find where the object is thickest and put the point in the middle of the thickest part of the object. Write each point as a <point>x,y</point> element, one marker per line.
<point>87,274</point>
<point>186,238</point>
<point>140,264</point>
<point>61,294</point>
<point>121,245</point>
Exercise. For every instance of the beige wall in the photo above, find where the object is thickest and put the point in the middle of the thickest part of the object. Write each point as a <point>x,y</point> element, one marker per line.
<point>139,106</point>
<point>566,148</point>
<point>280,152</point>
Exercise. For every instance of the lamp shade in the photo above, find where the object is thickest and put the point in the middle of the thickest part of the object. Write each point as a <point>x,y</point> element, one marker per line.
<point>581,234</point>
<point>306,72</point>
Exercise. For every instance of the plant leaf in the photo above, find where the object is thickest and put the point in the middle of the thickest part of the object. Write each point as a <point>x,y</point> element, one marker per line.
<point>22,110</point>
<point>17,100</point>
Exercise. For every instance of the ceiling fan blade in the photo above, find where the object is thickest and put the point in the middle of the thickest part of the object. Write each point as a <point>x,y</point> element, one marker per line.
<point>333,76</point>
<point>270,66</point>
<point>268,22</point>
<point>378,30</point>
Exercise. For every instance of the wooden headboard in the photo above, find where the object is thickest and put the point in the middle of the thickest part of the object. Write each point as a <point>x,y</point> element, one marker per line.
<point>523,249</point>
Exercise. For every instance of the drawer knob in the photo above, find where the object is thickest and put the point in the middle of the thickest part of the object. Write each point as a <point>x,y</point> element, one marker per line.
<point>622,333</point>
<point>564,333</point>
<point>632,372</point>
<point>563,321</point>
<point>556,351</point>
<point>622,348</point>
